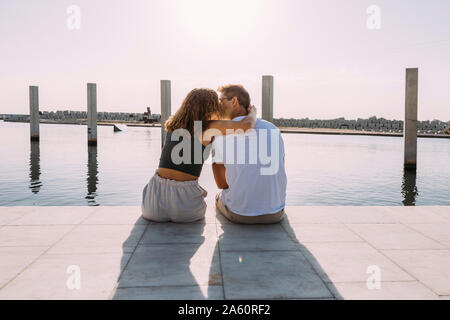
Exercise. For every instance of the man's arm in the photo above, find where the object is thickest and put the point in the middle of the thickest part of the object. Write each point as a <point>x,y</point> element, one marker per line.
<point>219,175</point>
<point>218,167</point>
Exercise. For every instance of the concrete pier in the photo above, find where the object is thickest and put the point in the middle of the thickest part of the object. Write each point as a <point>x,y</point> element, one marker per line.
<point>316,252</point>
<point>92,113</point>
<point>267,98</point>
<point>410,129</point>
<point>165,107</point>
<point>34,113</point>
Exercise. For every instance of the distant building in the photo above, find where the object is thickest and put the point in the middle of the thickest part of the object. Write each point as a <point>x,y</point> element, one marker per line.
<point>150,118</point>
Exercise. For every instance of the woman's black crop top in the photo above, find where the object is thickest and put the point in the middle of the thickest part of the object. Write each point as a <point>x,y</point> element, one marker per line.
<point>192,163</point>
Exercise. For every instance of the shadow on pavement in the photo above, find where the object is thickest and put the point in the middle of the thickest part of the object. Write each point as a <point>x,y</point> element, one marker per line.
<point>184,261</point>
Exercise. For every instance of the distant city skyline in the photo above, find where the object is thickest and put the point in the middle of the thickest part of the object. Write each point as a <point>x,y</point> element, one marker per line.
<point>329,59</point>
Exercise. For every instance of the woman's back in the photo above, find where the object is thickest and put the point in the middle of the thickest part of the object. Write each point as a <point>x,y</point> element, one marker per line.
<point>182,158</point>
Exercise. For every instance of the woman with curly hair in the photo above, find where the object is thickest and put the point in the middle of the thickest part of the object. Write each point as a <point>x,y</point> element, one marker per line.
<point>173,193</point>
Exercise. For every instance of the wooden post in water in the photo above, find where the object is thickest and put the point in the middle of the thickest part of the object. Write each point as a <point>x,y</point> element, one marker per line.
<point>267,98</point>
<point>34,113</point>
<point>165,107</point>
<point>92,113</point>
<point>410,125</point>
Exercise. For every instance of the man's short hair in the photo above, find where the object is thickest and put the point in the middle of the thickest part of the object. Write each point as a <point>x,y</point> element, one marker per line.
<point>238,91</point>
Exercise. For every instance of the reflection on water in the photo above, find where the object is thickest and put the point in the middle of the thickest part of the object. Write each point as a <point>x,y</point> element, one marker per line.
<point>35,167</point>
<point>92,177</point>
<point>321,170</point>
<point>409,188</point>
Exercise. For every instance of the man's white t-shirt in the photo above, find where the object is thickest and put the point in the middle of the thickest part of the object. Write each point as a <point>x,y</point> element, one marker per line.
<point>255,170</point>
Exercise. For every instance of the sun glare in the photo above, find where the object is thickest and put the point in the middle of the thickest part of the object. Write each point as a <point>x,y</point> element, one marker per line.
<point>218,19</point>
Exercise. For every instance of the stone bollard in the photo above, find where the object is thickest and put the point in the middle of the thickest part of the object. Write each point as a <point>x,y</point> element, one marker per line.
<point>34,113</point>
<point>165,107</point>
<point>410,130</point>
<point>267,98</point>
<point>92,113</point>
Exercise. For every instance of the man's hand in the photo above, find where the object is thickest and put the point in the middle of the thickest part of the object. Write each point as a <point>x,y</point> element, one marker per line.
<point>249,121</point>
<point>251,109</point>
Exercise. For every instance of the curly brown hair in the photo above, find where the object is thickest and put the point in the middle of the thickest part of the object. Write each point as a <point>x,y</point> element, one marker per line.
<point>199,105</point>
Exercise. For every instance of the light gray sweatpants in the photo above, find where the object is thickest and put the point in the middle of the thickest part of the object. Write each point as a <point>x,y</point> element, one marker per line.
<point>166,200</point>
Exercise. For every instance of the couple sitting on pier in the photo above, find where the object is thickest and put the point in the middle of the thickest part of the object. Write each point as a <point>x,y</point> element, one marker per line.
<point>248,161</point>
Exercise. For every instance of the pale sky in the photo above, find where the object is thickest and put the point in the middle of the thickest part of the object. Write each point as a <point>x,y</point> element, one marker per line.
<point>325,60</point>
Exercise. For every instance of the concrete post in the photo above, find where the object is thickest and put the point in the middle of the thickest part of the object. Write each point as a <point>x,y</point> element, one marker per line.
<point>165,107</point>
<point>410,126</point>
<point>267,98</point>
<point>34,113</point>
<point>92,113</point>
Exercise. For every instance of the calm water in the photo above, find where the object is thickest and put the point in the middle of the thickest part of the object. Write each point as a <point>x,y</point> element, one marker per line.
<point>322,169</point>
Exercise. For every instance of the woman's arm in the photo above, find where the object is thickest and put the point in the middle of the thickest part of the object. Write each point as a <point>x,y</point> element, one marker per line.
<point>248,122</point>
<point>223,127</point>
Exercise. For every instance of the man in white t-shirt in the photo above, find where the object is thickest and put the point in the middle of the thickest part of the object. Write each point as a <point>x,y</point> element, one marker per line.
<point>249,167</point>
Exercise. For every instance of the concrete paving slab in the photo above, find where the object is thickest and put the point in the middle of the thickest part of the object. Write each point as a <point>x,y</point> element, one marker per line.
<point>233,237</point>
<point>14,259</point>
<point>70,215</point>
<point>170,293</point>
<point>394,236</point>
<point>100,239</point>
<point>442,211</point>
<point>173,265</point>
<point>309,214</point>
<point>32,235</point>
<point>416,214</point>
<point>10,214</point>
<point>437,231</point>
<point>321,233</point>
<point>362,214</point>
<point>165,233</point>
<point>116,215</point>
<point>349,262</point>
<point>270,275</point>
<point>55,277</point>
<point>403,290</point>
<point>431,267</point>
